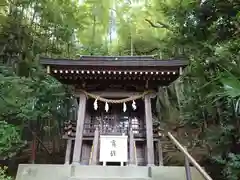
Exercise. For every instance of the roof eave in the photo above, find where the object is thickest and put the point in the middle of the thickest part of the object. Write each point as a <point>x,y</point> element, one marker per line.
<point>120,63</point>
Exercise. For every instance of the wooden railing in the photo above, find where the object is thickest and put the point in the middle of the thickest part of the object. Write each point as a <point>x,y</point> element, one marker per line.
<point>188,158</point>
<point>89,129</point>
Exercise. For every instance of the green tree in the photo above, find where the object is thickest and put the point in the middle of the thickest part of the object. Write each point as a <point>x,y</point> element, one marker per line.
<point>208,35</point>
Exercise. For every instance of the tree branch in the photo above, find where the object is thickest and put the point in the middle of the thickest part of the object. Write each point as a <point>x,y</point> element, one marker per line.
<point>146,52</point>
<point>159,25</point>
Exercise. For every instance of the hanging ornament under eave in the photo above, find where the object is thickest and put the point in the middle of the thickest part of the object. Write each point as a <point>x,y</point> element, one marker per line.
<point>124,107</point>
<point>95,105</point>
<point>134,105</point>
<point>106,107</point>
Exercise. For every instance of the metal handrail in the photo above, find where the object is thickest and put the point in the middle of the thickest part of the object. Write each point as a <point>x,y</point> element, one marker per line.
<point>189,157</point>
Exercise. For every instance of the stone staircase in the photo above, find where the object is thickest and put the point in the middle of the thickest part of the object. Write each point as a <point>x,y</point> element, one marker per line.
<point>110,173</point>
<point>77,172</point>
<point>110,178</point>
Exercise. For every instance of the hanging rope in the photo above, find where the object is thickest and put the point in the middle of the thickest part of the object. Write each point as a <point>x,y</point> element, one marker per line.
<point>115,101</point>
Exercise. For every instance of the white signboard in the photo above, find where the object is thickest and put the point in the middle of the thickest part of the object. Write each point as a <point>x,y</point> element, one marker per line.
<point>113,149</point>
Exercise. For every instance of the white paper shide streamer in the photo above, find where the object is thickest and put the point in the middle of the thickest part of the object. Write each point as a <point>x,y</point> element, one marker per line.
<point>124,107</point>
<point>134,105</point>
<point>95,105</point>
<point>106,107</point>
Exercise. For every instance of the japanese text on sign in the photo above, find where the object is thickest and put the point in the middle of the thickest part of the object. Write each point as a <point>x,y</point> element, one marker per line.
<point>113,148</point>
<point>113,152</point>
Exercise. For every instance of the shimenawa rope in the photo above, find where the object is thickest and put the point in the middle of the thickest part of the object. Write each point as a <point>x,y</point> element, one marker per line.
<point>115,101</point>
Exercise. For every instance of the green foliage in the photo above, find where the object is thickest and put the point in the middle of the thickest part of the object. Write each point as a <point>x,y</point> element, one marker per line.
<point>10,141</point>
<point>30,100</point>
<point>231,166</point>
<point>207,34</point>
<point>3,175</point>
<point>208,96</point>
<point>27,100</point>
<point>231,86</point>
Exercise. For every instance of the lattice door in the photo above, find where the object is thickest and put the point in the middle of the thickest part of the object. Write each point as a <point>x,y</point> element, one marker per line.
<point>108,123</point>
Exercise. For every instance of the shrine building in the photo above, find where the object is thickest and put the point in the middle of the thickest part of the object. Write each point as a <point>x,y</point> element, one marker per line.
<point>115,99</point>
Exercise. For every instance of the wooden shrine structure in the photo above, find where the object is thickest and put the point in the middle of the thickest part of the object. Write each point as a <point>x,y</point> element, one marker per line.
<point>115,103</point>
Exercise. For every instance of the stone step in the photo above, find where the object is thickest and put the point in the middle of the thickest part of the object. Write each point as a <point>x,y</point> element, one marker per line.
<point>110,171</point>
<point>108,178</point>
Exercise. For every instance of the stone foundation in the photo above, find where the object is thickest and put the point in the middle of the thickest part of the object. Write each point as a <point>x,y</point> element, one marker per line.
<point>78,172</point>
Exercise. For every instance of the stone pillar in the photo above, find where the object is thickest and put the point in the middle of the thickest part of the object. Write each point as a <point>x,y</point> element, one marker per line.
<point>79,128</point>
<point>68,151</point>
<point>149,130</point>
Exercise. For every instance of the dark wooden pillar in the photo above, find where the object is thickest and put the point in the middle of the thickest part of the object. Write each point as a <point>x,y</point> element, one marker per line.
<point>68,151</point>
<point>149,130</point>
<point>132,160</point>
<point>95,151</point>
<point>79,128</point>
<point>33,147</point>
<point>160,153</point>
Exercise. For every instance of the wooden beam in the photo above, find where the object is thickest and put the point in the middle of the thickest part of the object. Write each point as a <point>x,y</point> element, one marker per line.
<point>104,63</point>
<point>91,138</point>
<point>109,94</point>
<point>79,129</point>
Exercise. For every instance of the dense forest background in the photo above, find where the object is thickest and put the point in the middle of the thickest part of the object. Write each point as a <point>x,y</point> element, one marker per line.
<point>206,98</point>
